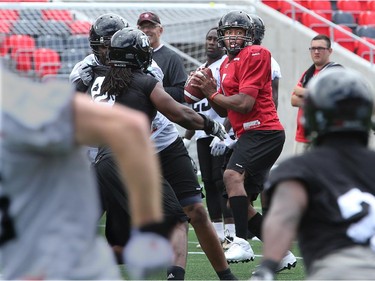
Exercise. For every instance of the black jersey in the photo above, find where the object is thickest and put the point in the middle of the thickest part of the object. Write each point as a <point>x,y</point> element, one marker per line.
<point>137,96</point>
<point>340,183</point>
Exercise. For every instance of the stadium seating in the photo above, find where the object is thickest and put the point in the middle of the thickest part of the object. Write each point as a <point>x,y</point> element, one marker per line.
<point>30,14</point>
<point>352,6</point>
<point>7,14</point>
<point>366,18</point>
<point>29,27</point>
<point>287,9</point>
<point>346,18</point>
<point>5,26</point>
<point>78,42</point>
<point>69,58</point>
<point>315,24</point>
<point>52,27</point>
<point>79,27</point>
<point>57,15</point>
<point>371,5</point>
<point>46,62</point>
<point>13,43</point>
<point>272,4</point>
<point>51,41</point>
<point>321,6</point>
<point>364,51</point>
<point>365,31</point>
<point>343,39</point>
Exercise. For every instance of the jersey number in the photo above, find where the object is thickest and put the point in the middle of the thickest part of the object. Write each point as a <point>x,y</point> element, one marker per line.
<point>359,207</point>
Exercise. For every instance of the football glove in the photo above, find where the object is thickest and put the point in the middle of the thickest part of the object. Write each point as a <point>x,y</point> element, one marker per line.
<point>212,127</point>
<point>146,254</point>
<point>218,147</point>
<point>85,70</point>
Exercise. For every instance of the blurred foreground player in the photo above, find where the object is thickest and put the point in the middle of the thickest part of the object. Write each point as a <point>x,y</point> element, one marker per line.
<point>49,202</point>
<point>326,196</point>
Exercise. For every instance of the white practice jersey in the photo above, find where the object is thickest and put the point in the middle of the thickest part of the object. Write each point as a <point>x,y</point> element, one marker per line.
<point>54,200</point>
<point>203,106</point>
<point>164,132</point>
<point>275,69</point>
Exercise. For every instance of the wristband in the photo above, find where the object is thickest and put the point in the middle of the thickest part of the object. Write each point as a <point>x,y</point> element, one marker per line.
<point>213,95</point>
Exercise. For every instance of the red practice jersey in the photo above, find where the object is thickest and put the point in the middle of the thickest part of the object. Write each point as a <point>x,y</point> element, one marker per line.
<point>249,70</point>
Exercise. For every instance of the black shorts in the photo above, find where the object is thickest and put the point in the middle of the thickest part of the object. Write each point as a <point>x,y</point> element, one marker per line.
<point>255,153</point>
<point>178,171</point>
<point>210,166</point>
<point>115,201</point>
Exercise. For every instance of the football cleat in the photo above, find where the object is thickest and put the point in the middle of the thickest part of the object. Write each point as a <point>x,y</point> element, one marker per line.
<point>239,251</point>
<point>287,262</point>
<point>227,242</point>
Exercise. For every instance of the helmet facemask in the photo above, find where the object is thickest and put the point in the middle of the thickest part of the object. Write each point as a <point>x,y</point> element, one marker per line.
<point>236,19</point>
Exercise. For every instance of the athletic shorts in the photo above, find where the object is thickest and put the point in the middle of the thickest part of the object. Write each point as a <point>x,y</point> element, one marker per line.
<point>115,201</point>
<point>351,263</point>
<point>255,153</point>
<point>210,166</point>
<point>178,171</point>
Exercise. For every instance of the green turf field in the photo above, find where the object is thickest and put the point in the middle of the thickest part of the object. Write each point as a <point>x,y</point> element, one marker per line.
<point>199,268</point>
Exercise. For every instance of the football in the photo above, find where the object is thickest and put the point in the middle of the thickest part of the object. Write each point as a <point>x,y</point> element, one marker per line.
<point>194,94</point>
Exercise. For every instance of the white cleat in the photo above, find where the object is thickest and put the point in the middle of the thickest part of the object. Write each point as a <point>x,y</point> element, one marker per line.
<point>239,251</point>
<point>287,262</point>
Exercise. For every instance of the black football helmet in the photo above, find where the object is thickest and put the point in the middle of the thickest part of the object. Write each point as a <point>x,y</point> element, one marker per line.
<point>130,48</point>
<point>102,30</point>
<point>260,29</point>
<point>337,100</point>
<point>237,19</point>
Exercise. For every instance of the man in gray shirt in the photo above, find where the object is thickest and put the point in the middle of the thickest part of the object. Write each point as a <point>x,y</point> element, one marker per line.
<point>49,204</point>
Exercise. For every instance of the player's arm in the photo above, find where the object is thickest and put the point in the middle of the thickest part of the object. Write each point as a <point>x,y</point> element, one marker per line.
<point>298,96</point>
<point>288,204</point>
<point>184,115</point>
<point>127,132</point>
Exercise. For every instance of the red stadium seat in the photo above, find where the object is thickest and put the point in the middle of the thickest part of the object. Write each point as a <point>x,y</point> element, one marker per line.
<point>16,43</point>
<point>366,18</point>
<point>46,62</point>
<point>287,9</point>
<point>343,39</point>
<point>321,6</point>
<point>353,6</point>
<point>79,27</point>
<point>57,15</point>
<point>364,51</point>
<point>315,24</point>
<point>271,3</point>
<point>5,26</point>
<point>11,15</point>
<point>371,5</point>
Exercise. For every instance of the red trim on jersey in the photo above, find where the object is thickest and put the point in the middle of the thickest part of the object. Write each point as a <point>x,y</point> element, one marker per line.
<point>250,73</point>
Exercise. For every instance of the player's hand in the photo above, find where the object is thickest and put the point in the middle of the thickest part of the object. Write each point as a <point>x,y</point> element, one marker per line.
<point>85,70</point>
<point>212,127</point>
<point>146,254</point>
<point>263,273</point>
<point>218,147</point>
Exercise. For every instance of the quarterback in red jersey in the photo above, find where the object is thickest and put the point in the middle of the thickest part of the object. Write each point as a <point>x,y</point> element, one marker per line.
<point>245,96</point>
